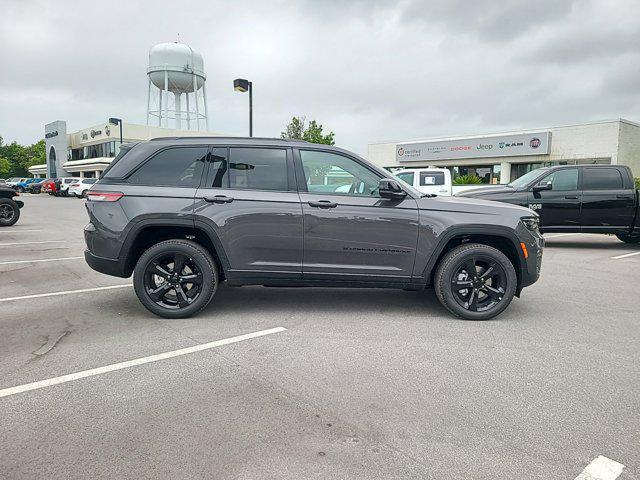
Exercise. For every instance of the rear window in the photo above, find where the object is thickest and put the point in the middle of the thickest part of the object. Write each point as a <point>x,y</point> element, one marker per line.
<point>89,181</point>
<point>602,179</point>
<point>258,169</point>
<point>176,167</point>
<point>428,179</point>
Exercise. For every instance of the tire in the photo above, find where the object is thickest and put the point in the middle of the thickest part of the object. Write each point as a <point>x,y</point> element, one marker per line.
<point>148,280</point>
<point>20,189</point>
<point>84,194</point>
<point>492,287</point>
<point>626,238</point>
<point>9,212</point>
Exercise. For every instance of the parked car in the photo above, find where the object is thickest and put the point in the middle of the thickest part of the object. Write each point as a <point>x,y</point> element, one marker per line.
<point>183,214</point>
<point>576,198</point>
<point>436,181</point>
<point>9,206</point>
<point>50,186</point>
<point>65,183</point>
<point>15,180</point>
<point>79,188</point>
<point>21,187</point>
<point>3,181</point>
<point>36,187</point>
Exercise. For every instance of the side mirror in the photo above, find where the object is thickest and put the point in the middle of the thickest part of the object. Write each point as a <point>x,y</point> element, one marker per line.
<point>389,188</point>
<point>542,187</point>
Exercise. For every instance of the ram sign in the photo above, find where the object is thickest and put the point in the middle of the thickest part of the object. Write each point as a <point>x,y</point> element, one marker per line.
<point>481,147</point>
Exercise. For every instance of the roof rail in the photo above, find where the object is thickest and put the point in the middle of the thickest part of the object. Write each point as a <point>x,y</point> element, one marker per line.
<point>216,137</point>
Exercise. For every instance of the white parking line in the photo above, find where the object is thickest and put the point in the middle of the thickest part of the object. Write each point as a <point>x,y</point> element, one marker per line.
<point>625,255</point>
<point>17,231</point>
<point>134,363</point>
<point>29,243</point>
<point>602,468</point>
<point>42,260</point>
<point>67,292</point>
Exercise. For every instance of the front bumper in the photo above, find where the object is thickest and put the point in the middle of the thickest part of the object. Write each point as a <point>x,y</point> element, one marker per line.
<point>531,266</point>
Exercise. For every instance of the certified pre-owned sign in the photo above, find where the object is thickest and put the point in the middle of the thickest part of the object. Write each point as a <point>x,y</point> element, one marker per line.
<point>537,143</point>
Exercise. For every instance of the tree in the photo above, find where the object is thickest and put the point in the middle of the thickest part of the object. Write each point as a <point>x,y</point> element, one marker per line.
<point>20,158</point>
<point>313,133</point>
<point>5,167</point>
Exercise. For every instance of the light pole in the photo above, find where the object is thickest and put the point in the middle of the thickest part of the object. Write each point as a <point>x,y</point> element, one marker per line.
<point>117,121</point>
<point>242,85</point>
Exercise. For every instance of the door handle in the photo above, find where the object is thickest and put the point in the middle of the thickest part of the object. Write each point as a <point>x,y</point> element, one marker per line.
<point>571,197</point>
<point>218,199</point>
<point>323,204</point>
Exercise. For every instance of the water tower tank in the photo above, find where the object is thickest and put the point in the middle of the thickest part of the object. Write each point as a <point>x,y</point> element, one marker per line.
<point>178,69</point>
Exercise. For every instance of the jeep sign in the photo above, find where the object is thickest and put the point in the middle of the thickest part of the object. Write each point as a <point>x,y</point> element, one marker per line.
<point>537,143</point>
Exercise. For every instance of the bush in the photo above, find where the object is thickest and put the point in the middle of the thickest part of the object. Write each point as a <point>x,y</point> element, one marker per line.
<point>467,180</point>
<point>637,180</point>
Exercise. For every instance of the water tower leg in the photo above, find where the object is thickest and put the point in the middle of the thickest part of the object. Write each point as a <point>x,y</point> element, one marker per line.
<point>148,100</point>
<point>177,95</point>
<point>206,115</point>
<point>195,94</point>
<point>188,111</point>
<point>166,104</point>
<point>160,109</point>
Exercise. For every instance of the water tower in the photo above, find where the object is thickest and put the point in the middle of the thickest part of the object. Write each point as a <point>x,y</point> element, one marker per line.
<point>178,69</point>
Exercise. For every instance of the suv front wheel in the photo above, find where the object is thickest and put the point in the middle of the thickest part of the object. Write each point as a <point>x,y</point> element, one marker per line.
<point>475,281</point>
<point>175,278</point>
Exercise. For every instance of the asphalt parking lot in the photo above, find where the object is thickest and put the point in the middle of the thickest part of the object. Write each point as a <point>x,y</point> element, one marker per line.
<point>356,383</point>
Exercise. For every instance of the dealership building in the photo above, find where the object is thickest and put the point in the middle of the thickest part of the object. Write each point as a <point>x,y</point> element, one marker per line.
<point>503,157</point>
<point>87,152</point>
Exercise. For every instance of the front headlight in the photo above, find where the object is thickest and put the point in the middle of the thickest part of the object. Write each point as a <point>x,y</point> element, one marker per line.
<point>532,223</point>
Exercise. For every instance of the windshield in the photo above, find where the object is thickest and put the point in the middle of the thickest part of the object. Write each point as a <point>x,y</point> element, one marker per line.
<point>526,179</point>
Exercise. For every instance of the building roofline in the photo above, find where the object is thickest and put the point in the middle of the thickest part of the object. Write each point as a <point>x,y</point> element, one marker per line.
<point>229,138</point>
<point>509,132</point>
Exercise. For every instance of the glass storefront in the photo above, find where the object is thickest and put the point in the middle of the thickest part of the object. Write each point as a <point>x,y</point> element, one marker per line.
<point>488,174</point>
<point>106,149</point>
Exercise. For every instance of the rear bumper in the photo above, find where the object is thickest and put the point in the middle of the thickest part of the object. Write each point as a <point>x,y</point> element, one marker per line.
<point>108,266</point>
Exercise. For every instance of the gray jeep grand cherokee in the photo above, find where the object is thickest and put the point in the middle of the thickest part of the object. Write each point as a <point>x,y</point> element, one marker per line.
<point>184,214</point>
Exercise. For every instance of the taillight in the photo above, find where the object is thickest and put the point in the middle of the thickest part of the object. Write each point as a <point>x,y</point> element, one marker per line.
<point>104,196</point>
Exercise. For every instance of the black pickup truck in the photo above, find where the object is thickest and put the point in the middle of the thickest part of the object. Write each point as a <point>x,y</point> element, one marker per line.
<point>575,198</point>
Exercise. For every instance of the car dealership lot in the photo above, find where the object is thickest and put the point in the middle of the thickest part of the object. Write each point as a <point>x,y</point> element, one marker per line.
<point>361,384</point>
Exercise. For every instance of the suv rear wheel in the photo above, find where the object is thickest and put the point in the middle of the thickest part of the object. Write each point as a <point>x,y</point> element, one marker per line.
<point>175,278</point>
<point>475,281</point>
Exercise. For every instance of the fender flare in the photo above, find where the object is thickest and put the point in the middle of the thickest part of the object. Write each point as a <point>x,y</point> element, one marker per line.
<point>473,229</point>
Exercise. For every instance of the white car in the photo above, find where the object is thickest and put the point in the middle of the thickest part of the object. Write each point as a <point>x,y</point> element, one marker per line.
<point>80,187</point>
<point>65,183</point>
<point>428,180</point>
<point>15,180</point>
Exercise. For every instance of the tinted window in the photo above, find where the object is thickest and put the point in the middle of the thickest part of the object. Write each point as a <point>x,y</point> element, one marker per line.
<point>258,169</point>
<point>179,167</point>
<point>602,179</point>
<point>406,177</point>
<point>431,178</point>
<point>566,179</point>
<point>218,177</point>
<point>90,181</point>
<point>328,172</point>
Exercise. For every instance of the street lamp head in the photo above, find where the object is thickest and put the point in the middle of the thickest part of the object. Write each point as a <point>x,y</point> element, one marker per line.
<point>241,85</point>
<point>115,121</point>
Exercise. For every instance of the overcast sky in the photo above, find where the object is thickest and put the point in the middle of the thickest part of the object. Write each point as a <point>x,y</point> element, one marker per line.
<point>368,70</point>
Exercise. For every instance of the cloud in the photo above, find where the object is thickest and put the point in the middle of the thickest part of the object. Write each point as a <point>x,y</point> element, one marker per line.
<point>368,70</point>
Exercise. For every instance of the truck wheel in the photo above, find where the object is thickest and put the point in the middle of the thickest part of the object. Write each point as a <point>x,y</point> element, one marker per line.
<point>20,189</point>
<point>475,281</point>
<point>175,278</point>
<point>626,238</point>
<point>9,212</point>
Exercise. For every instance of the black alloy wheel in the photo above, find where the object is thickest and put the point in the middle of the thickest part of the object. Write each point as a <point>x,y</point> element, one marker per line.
<point>479,284</point>
<point>9,212</point>
<point>475,281</point>
<point>175,278</point>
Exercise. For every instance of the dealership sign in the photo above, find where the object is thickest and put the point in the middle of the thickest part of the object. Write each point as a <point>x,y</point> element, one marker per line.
<point>482,147</point>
